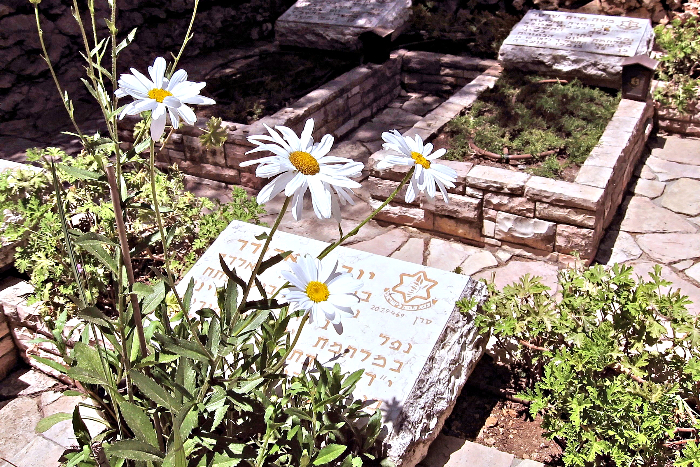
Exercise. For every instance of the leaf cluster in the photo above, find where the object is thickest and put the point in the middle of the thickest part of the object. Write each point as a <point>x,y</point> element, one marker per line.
<point>613,363</point>
<point>522,116</point>
<point>32,219</point>
<point>210,392</point>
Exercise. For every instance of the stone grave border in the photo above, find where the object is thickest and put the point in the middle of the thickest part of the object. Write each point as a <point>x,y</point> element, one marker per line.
<point>537,217</point>
<point>672,121</point>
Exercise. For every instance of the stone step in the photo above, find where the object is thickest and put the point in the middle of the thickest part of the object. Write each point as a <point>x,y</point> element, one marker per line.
<point>449,451</point>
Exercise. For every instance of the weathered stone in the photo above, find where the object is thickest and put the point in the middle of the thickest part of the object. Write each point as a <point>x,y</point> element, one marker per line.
<point>670,247</point>
<point>462,169</point>
<point>39,452</point>
<point>448,451</point>
<point>666,170</point>
<point>489,228</point>
<point>514,270</point>
<point>412,251</point>
<point>460,207</point>
<point>458,228</point>
<point>575,216</point>
<point>351,150</point>
<point>195,151</point>
<point>18,419</point>
<point>564,193</point>
<point>395,173</point>
<point>594,176</point>
<point>447,255</point>
<point>421,105</point>
<point>416,392</point>
<point>381,189</point>
<point>681,150</point>
<point>404,215</point>
<point>589,47</point>
<point>338,25</point>
<point>683,265</point>
<point>532,232</point>
<point>495,179</point>
<point>512,204</point>
<point>384,244</point>
<point>683,197</point>
<point>572,239</point>
<point>649,188</point>
<point>478,261</point>
<point>641,215</point>
<point>694,272</point>
<point>618,247</point>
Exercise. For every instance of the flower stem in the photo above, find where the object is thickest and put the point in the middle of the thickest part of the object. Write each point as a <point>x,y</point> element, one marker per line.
<point>264,250</point>
<point>280,364</point>
<point>354,231</point>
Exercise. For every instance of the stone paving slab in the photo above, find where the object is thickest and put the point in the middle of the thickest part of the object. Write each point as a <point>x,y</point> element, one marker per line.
<point>449,451</point>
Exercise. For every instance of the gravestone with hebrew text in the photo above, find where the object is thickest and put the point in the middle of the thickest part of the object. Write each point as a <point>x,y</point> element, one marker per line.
<point>338,24</point>
<point>574,45</point>
<point>415,348</point>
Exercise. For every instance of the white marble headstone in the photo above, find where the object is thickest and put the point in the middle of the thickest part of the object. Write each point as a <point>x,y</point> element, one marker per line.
<point>589,47</point>
<point>415,348</point>
<point>337,24</point>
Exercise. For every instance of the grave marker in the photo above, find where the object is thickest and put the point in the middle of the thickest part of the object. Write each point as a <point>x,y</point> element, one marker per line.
<point>338,24</point>
<point>416,349</point>
<point>568,45</point>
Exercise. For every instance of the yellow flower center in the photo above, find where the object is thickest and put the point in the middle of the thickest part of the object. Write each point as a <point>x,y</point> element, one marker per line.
<point>317,291</point>
<point>304,163</point>
<point>420,159</point>
<point>159,94</point>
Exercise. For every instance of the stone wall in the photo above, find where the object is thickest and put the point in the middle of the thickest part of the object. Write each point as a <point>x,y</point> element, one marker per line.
<point>673,121</point>
<point>27,94</point>
<point>534,215</point>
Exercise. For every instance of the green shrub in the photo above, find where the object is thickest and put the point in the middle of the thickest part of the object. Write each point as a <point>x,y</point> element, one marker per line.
<point>613,364</point>
<point>680,65</point>
<point>27,199</point>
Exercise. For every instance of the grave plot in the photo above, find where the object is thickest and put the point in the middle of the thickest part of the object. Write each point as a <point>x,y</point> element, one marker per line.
<point>416,349</point>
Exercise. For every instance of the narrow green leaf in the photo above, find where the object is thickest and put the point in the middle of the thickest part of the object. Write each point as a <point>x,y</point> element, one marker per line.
<point>155,298</point>
<point>96,249</point>
<point>329,454</point>
<point>139,422</point>
<point>47,422</point>
<point>154,391</point>
<point>80,174</point>
<point>50,363</point>
<point>231,273</point>
<point>80,429</point>
<point>268,263</point>
<point>135,450</point>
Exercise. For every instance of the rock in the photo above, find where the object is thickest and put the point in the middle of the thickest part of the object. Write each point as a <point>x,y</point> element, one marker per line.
<point>513,204</point>
<point>514,270</point>
<point>337,26</point>
<point>496,179</point>
<point>491,421</point>
<point>641,215</point>
<point>649,188</point>
<point>694,272</point>
<point>394,118</point>
<point>572,239</point>
<point>666,170</point>
<point>449,451</point>
<point>618,247</point>
<point>421,105</point>
<point>683,197</point>
<point>532,232</point>
<point>26,383</point>
<point>384,244</point>
<point>478,261</point>
<point>545,41</point>
<point>670,247</point>
<point>564,193</point>
<point>412,251</point>
<point>447,255</point>
<point>18,419</point>
<point>677,149</point>
<point>459,207</point>
<point>567,215</point>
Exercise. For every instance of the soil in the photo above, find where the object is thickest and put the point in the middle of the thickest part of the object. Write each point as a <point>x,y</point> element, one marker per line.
<point>444,140</point>
<point>482,416</point>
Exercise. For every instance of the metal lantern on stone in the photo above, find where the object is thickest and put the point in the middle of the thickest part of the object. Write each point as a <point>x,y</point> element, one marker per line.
<point>637,73</point>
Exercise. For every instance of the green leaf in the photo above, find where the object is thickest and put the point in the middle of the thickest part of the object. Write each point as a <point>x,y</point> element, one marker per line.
<point>47,422</point>
<point>94,315</point>
<point>50,363</point>
<point>89,365</point>
<point>94,246</point>
<point>154,391</point>
<point>135,450</point>
<point>329,454</point>
<point>223,460</point>
<point>268,263</point>
<point>155,298</point>
<point>80,429</point>
<point>80,174</point>
<point>139,422</point>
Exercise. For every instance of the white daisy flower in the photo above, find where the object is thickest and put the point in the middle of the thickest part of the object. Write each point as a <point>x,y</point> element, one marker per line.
<point>162,96</point>
<point>427,174</point>
<point>301,164</point>
<point>321,290</point>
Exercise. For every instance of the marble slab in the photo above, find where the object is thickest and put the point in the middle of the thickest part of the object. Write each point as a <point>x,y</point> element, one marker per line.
<point>337,24</point>
<point>590,47</point>
<point>416,349</point>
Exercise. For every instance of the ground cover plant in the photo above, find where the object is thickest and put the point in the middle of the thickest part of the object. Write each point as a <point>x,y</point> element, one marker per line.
<point>177,386</point>
<point>679,67</point>
<point>560,123</point>
<point>612,365</point>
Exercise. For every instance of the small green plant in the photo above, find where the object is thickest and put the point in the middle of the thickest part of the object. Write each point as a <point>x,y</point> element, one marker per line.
<point>680,65</point>
<point>522,115</point>
<point>27,199</point>
<point>613,364</point>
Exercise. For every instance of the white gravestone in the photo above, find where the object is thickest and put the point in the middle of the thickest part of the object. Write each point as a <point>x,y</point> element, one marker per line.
<point>416,349</point>
<point>573,45</point>
<point>337,24</point>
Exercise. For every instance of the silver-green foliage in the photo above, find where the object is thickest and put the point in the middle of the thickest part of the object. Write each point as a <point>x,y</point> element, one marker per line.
<point>613,364</point>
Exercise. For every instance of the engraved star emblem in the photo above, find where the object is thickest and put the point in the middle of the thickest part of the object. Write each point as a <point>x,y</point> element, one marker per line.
<point>412,286</point>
